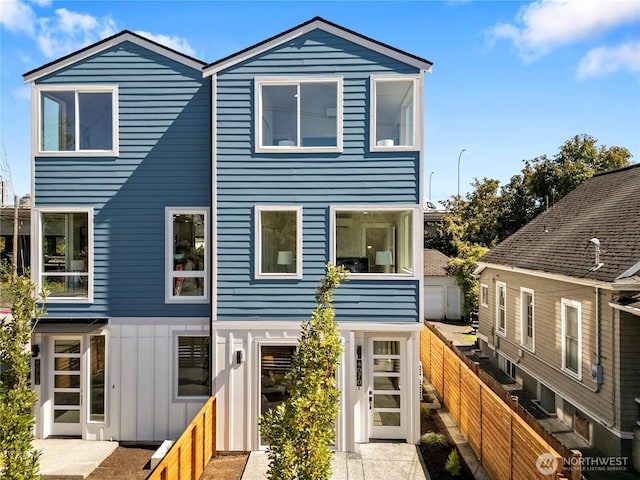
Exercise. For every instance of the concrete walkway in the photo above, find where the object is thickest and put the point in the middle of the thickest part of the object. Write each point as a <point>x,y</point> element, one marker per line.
<point>71,459</point>
<point>370,461</point>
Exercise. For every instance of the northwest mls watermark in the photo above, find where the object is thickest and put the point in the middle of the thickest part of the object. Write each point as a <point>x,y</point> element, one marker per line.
<point>547,464</point>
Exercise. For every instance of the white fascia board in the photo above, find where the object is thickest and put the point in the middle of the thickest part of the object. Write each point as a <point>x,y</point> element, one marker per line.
<point>304,29</point>
<point>105,45</point>
<point>293,325</point>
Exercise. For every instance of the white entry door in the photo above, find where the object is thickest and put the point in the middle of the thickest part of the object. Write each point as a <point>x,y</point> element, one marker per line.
<point>66,385</point>
<point>386,402</point>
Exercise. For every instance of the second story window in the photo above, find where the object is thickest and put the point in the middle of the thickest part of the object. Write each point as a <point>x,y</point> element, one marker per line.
<point>526,318</point>
<point>81,120</point>
<point>501,308</point>
<point>571,337</point>
<point>394,124</point>
<point>187,232</point>
<point>299,114</point>
<point>278,241</point>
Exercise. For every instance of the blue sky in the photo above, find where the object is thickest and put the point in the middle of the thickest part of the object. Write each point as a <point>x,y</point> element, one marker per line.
<point>511,80</point>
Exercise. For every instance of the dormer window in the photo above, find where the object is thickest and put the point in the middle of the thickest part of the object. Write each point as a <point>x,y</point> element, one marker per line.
<point>394,124</point>
<point>299,114</point>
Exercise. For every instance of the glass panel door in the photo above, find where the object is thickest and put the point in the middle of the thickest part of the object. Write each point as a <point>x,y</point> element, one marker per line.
<point>385,389</point>
<point>275,362</point>
<point>66,386</point>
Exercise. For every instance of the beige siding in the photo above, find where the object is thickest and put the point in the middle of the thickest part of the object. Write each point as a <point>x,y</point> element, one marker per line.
<point>628,374</point>
<point>545,362</point>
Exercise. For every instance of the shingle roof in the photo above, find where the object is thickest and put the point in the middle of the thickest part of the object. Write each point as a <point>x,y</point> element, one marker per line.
<point>435,263</point>
<point>606,207</point>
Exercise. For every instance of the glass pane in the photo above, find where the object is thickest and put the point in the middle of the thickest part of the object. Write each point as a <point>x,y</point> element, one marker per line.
<point>72,364</point>
<point>58,121</point>
<point>572,355</point>
<point>189,242</point>
<point>66,416</point>
<point>66,381</point>
<point>394,113</point>
<point>188,286</point>
<point>279,114</point>
<point>97,371</point>
<point>275,362</point>
<point>193,366</point>
<point>386,383</point>
<point>67,285</point>
<point>66,398</point>
<point>386,365</point>
<point>386,401</point>
<point>65,245</point>
<point>385,347</point>
<point>375,241</point>
<point>67,346</point>
<point>279,241</point>
<point>318,121</point>
<point>571,315</point>
<point>96,121</point>
<point>386,419</point>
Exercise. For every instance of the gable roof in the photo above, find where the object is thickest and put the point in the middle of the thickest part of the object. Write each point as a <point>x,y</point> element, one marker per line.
<point>123,36</point>
<point>435,263</point>
<point>308,26</point>
<point>607,208</point>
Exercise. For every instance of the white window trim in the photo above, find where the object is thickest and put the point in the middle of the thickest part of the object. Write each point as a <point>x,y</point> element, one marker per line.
<point>106,379</point>
<point>259,81</point>
<point>36,115</point>
<point>484,297</point>
<point>259,275</point>
<point>176,366</point>
<point>417,240</point>
<point>578,306</point>
<point>417,107</point>
<point>501,331</point>
<point>37,261</point>
<point>523,319</point>
<point>170,274</point>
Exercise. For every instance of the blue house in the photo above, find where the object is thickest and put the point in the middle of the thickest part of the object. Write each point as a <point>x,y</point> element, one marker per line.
<point>178,272</point>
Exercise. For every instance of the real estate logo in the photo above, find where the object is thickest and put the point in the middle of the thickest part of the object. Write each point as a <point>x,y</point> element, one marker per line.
<point>547,464</point>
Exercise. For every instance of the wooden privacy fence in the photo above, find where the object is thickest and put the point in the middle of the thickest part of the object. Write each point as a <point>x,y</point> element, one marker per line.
<point>189,455</point>
<point>507,446</point>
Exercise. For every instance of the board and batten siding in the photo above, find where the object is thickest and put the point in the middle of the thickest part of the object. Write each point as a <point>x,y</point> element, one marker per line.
<point>164,160</point>
<point>245,179</point>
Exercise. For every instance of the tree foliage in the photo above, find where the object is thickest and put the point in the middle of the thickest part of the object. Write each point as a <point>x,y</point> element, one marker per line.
<point>18,460</point>
<point>300,430</point>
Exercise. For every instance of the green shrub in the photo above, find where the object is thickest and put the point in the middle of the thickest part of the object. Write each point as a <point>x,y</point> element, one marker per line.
<point>452,466</point>
<point>425,412</point>
<point>433,439</point>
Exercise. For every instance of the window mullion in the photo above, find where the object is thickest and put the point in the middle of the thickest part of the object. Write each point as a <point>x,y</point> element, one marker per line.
<point>76,131</point>
<point>298,115</point>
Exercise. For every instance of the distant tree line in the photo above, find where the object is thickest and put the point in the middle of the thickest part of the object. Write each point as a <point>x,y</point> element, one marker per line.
<point>491,212</point>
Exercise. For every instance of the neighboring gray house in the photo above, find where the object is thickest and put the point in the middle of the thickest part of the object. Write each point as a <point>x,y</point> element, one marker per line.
<point>443,297</point>
<point>560,309</point>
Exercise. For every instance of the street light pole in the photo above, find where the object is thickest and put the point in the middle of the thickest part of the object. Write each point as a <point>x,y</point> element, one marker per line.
<point>430,175</point>
<point>461,152</point>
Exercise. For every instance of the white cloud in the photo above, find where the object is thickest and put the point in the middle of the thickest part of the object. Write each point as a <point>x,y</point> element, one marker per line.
<point>41,3</point>
<point>22,93</point>
<point>544,24</point>
<point>175,43</point>
<point>603,60</point>
<point>17,17</point>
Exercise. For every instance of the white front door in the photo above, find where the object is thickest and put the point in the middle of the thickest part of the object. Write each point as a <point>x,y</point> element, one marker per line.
<point>66,385</point>
<point>386,402</point>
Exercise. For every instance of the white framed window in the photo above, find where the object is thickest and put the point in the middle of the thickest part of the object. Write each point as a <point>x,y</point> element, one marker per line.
<point>278,234</point>
<point>97,379</point>
<point>296,114</point>
<point>65,253</point>
<point>484,295</point>
<point>375,241</point>
<point>192,366</point>
<point>76,120</point>
<point>501,308</point>
<point>187,254</point>
<point>394,112</point>
<point>527,319</point>
<point>572,337</point>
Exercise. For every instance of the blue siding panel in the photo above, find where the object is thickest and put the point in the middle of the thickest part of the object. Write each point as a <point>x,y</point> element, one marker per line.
<point>164,160</point>
<point>316,181</point>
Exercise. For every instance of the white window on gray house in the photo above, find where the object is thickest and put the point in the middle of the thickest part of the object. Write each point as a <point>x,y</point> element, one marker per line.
<point>484,295</point>
<point>66,254</point>
<point>572,337</point>
<point>80,120</point>
<point>527,327</point>
<point>192,375</point>
<point>501,308</point>
<point>375,240</point>
<point>393,113</point>
<point>299,114</point>
<point>278,241</point>
<point>187,255</point>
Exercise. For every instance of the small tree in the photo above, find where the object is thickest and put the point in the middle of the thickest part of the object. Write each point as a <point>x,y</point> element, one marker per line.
<point>18,459</point>
<point>300,430</point>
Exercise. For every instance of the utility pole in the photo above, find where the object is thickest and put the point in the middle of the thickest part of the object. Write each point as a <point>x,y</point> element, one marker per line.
<point>14,260</point>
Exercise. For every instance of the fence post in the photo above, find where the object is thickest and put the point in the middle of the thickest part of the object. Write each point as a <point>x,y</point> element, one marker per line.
<point>576,464</point>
